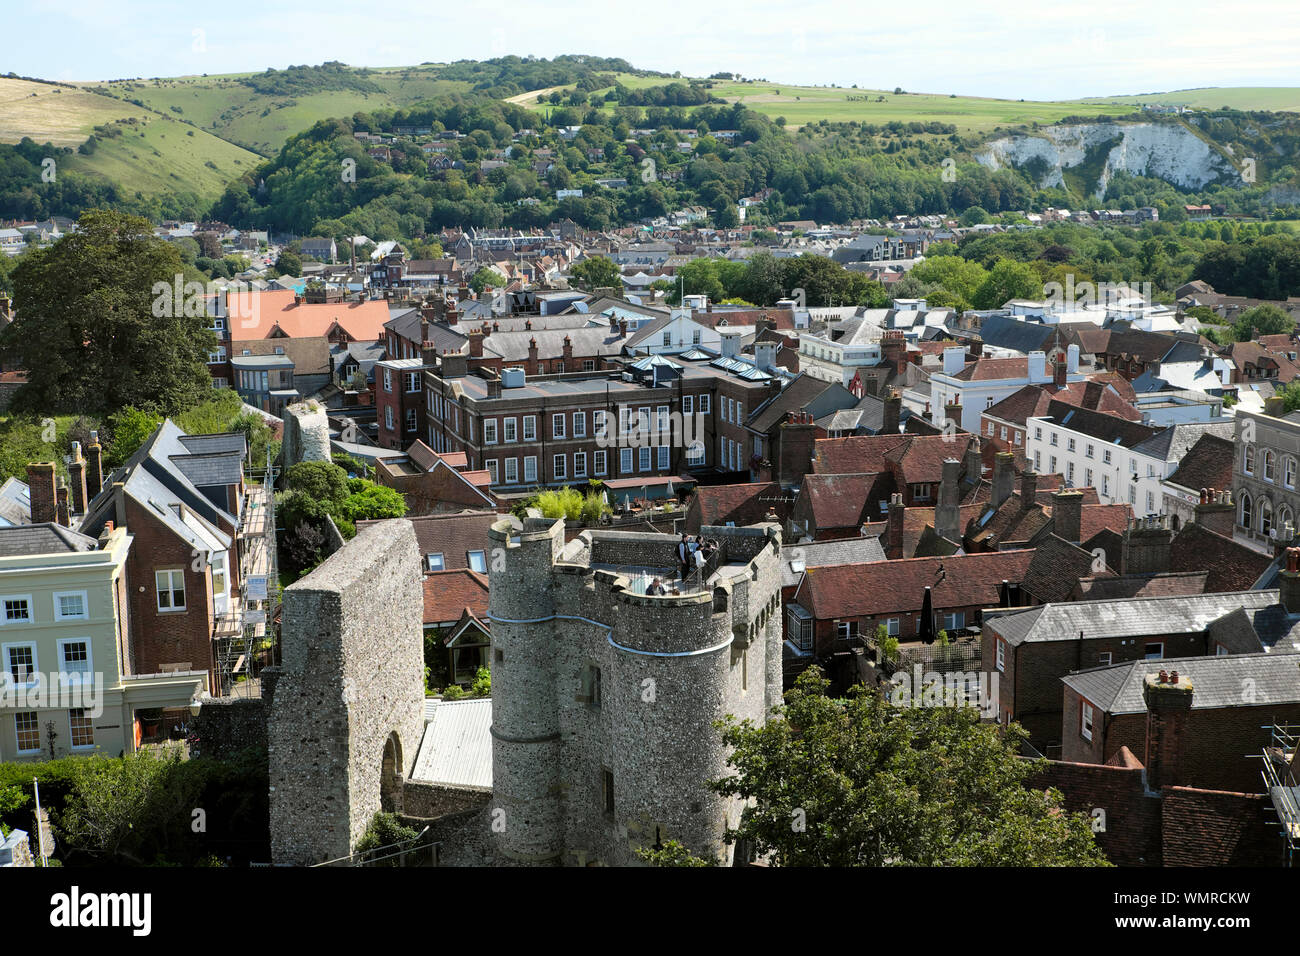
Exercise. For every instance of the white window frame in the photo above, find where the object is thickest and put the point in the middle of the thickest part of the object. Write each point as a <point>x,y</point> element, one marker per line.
<point>625,461</point>
<point>1001,654</point>
<point>557,425</point>
<point>891,626</point>
<point>80,675</point>
<point>482,560</point>
<point>663,457</point>
<point>5,650</point>
<point>435,561</point>
<point>72,730</point>
<point>489,431</point>
<point>28,750</point>
<point>560,467</point>
<point>85,606</point>
<point>491,466</point>
<point>688,404</point>
<point>512,471</point>
<point>530,469</point>
<point>1085,719</point>
<point>170,589</point>
<point>705,403</point>
<point>579,464</point>
<point>643,458</point>
<point>4,612</point>
<point>509,430</point>
<point>579,424</point>
<point>600,463</point>
<point>530,428</point>
<point>412,419</point>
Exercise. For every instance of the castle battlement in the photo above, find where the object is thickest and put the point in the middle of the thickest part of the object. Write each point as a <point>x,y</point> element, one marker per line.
<point>605,698</point>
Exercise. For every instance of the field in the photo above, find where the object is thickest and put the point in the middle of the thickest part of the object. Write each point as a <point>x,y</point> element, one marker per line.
<point>156,154</point>
<point>808,104</point>
<point>1281,99</point>
<point>262,123</point>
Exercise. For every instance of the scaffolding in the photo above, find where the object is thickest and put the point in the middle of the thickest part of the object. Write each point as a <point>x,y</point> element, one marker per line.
<point>247,634</point>
<point>1280,780</point>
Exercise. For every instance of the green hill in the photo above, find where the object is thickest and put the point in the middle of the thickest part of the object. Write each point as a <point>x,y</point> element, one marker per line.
<point>230,108</point>
<point>140,150</point>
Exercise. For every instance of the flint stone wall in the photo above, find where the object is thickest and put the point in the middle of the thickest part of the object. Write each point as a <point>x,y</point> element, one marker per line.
<point>352,676</point>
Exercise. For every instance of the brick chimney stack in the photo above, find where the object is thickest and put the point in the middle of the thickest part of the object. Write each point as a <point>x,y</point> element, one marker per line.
<point>893,412</point>
<point>947,515</point>
<point>952,412</point>
<point>567,351</point>
<point>41,489</point>
<point>1060,371</point>
<point>77,471</point>
<point>1168,697</point>
<point>974,466</point>
<point>1067,514</point>
<point>1146,546</point>
<point>1216,511</point>
<point>63,504</point>
<point>476,344</point>
<point>530,368</point>
<point>894,530</point>
<point>1288,582</point>
<point>94,466</point>
<point>1004,476</point>
<point>1028,488</point>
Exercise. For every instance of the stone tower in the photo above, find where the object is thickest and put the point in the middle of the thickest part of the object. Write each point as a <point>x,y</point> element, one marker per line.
<point>604,699</point>
<point>348,711</point>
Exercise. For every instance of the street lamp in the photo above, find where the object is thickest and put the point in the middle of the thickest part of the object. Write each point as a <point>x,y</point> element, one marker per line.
<point>195,705</point>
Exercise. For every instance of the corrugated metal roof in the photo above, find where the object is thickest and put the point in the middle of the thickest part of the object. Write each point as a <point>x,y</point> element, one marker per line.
<point>457,745</point>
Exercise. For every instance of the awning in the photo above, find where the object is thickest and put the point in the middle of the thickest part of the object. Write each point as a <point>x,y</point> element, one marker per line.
<point>650,481</point>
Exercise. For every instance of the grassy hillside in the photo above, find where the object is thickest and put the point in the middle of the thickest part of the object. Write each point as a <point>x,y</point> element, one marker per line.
<point>801,105</point>
<point>153,153</point>
<point>239,114</point>
<point>1281,99</point>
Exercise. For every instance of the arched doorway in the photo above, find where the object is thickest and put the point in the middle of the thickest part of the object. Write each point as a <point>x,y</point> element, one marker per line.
<point>390,776</point>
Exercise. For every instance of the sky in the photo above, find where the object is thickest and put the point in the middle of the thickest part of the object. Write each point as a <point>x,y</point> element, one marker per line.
<point>1015,49</point>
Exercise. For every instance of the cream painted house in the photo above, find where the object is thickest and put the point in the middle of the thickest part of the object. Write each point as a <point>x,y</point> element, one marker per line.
<point>66,686</point>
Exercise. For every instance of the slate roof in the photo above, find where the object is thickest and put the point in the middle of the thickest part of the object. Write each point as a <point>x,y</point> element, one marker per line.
<point>1141,617</point>
<point>1007,332</point>
<point>45,538</point>
<point>208,470</point>
<point>1110,429</point>
<point>1216,681</point>
<point>1172,443</point>
<point>153,477</point>
<point>794,397</point>
<point>797,558</point>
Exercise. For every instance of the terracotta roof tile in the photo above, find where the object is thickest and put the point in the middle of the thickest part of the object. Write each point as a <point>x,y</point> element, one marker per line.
<point>892,587</point>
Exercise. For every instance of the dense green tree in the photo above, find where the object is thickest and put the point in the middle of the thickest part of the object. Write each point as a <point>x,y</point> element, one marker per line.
<point>596,272</point>
<point>1266,319</point>
<point>100,326</point>
<point>1008,280</point>
<point>861,782</point>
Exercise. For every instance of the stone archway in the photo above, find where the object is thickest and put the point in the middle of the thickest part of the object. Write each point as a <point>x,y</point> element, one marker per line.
<point>390,775</point>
